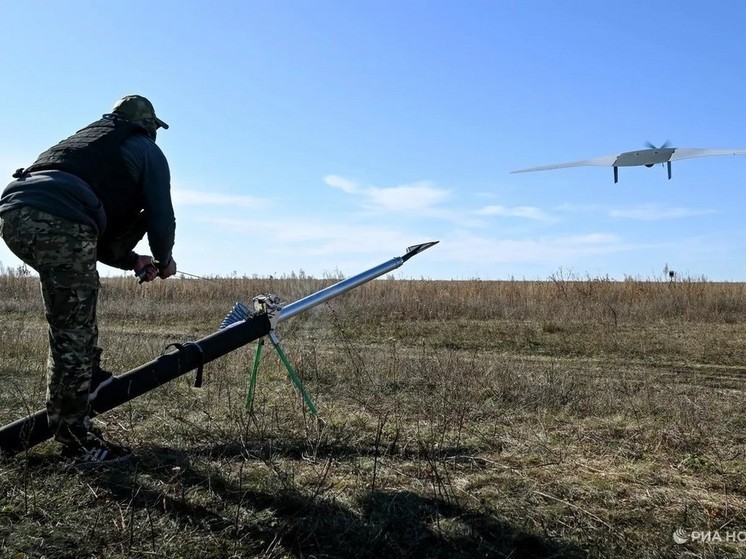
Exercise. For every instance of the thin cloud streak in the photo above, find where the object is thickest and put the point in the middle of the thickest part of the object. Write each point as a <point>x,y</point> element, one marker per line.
<point>646,212</point>
<point>425,199</point>
<point>416,196</point>
<point>655,213</point>
<point>344,184</point>
<point>528,212</point>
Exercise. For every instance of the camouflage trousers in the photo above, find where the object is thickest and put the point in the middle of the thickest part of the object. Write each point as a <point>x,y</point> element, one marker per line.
<point>64,254</point>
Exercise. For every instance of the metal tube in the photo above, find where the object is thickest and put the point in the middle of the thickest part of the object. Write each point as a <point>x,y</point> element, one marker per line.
<point>302,305</point>
<point>338,288</point>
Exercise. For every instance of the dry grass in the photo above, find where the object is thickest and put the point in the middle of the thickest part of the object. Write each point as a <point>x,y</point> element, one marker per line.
<point>566,418</point>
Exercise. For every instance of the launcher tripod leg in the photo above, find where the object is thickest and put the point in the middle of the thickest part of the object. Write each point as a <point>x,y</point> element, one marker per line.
<point>293,375</point>
<point>252,378</point>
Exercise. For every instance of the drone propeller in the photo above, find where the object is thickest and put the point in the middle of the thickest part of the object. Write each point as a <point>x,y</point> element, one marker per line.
<point>663,146</point>
<point>651,146</point>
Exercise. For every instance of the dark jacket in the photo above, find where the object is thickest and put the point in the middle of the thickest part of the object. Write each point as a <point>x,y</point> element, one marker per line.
<point>94,155</point>
<point>110,175</point>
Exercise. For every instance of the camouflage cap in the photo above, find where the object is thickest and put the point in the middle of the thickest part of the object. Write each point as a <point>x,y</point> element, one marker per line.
<point>136,107</point>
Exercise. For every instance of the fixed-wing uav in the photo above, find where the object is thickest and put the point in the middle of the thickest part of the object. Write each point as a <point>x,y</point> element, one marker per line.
<point>648,157</point>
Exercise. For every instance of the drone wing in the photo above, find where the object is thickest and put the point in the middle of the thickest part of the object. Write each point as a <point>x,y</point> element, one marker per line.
<point>606,161</point>
<point>686,153</point>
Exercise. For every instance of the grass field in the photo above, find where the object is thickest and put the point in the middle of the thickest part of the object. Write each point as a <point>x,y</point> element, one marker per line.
<point>573,417</point>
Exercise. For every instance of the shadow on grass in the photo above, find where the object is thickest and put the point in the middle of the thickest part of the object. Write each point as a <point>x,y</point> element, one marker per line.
<point>245,520</point>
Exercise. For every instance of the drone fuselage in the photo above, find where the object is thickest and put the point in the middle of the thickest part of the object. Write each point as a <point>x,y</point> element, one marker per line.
<point>647,157</point>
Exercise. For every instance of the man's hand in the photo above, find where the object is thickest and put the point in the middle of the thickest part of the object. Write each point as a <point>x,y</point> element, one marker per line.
<point>145,268</point>
<point>168,270</point>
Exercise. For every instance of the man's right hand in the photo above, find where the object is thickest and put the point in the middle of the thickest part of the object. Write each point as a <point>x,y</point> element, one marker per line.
<point>167,271</point>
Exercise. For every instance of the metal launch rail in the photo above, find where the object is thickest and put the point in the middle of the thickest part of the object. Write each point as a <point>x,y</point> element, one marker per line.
<point>239,331</point>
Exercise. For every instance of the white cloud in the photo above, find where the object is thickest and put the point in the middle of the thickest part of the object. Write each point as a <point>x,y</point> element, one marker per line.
<point>652,213</point>
<point>344,184</point>
<point>528,212</point>
<point>567,207</point>
<point>415,196</point>
<point>410,197</point>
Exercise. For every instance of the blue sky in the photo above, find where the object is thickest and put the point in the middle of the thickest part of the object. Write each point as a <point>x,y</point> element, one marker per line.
<point>328,135</point>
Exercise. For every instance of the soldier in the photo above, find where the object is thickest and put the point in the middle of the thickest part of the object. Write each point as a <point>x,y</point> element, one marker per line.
<point>92,197</point>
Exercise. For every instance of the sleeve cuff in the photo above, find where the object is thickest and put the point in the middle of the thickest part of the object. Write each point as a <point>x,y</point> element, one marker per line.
<point>163,265</point>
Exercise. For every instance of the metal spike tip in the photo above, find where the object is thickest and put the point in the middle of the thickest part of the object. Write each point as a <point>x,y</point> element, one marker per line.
<point>416,249</point>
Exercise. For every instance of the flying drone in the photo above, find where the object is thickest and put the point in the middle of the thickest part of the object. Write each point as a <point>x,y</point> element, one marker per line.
<point>648,157</point>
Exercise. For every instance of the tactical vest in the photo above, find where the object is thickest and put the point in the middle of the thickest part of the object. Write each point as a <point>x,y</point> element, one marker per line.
<point>94,155</point>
